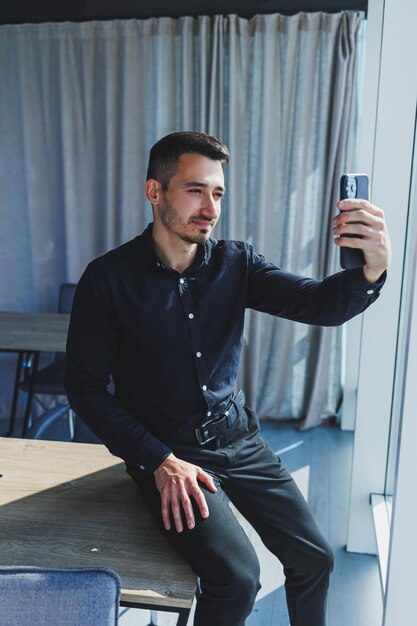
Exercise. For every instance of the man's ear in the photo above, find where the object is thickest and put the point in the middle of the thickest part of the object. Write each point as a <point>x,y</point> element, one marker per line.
<point>153,190</point>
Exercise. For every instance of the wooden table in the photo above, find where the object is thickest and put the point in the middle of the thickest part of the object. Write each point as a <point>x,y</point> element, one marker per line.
<point>33,332</point>
<point>29,334</point>
<point>70,504</point>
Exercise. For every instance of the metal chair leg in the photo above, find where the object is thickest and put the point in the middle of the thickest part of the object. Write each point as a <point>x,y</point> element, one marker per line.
<point>33,370</point>
<point>12,418</point>
<point>71,423</point>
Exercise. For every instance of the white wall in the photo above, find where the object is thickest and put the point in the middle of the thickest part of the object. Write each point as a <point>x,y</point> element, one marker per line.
<point>401,586</point>
<point>391,155</point>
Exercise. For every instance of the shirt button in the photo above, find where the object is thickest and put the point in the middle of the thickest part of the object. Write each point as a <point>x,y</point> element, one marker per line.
<point>370,291</point>
<point>204,387</point>
<point>190,315</point>
<point>182,281</point>
<point>142,467</point>
<point>208,413</point>
<point>198,354</point>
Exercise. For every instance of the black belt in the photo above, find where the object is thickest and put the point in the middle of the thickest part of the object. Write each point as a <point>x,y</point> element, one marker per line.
<point>215,427</point>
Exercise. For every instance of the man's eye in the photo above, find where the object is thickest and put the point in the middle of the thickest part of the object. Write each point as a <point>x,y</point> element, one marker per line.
<point>195,190</point>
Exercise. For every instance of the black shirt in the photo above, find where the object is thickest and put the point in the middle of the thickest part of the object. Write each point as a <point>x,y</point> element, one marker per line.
<point>172,342</point>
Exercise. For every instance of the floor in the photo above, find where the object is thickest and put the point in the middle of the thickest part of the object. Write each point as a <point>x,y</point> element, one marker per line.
<point>319,460</point>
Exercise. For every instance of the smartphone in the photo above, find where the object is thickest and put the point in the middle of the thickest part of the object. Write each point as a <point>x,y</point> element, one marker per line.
<point>353,186</point>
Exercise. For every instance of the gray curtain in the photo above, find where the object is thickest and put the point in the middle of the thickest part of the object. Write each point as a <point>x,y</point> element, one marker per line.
<point>80,107</point>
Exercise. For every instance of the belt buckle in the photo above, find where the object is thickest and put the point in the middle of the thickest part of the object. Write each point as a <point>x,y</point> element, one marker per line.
<point>201,435</point>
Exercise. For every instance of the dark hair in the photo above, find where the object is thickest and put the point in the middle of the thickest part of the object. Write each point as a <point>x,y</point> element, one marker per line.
<point>165,154</point>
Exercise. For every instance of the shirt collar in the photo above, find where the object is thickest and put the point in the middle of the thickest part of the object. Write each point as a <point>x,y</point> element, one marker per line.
<point>146,246</point>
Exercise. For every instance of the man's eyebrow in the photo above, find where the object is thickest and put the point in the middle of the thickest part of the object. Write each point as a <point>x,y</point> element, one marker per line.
<point>203,185</point>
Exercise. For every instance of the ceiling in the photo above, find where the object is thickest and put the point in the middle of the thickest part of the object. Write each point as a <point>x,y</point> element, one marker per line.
<point>23,11</point>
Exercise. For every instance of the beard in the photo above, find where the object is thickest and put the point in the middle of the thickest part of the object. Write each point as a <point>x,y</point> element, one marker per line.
<point>172,221</point>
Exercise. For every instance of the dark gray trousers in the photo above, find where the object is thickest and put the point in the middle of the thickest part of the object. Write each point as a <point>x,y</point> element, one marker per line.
<point>248,473</point>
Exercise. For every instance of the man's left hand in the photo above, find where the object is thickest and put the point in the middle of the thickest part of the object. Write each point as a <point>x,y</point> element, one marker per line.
<point>366,222</point>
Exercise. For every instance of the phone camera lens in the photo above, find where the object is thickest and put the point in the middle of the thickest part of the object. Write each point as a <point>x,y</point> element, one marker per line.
<point>351,187</point>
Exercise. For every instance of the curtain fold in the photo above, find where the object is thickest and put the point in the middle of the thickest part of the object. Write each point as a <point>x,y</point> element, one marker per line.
<point>82,103</point>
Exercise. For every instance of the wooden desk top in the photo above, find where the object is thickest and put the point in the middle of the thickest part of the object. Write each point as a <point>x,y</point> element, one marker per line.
<point>71,504</point>
<point>33,331</point>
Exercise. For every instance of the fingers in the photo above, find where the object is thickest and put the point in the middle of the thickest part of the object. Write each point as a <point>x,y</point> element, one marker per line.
<point>170,503</point>
<point>205,478</point>
<point>177,500</point>
<point>358,203</point>
<point>165,509</point>
<point>361,225</point>
<point>177,484</point>
<point>355,238</point>
<point>200,500</point>
<point>359,216</point>
<point>351,242</point>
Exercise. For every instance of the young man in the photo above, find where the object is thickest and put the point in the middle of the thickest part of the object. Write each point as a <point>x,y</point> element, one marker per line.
<point>163,314</point>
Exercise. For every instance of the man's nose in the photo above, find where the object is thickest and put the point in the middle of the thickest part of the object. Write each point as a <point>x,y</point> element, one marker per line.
<point>211,205</point>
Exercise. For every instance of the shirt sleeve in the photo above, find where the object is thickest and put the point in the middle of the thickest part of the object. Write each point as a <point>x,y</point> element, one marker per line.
<point>92,345</point>
<point>329,302</point>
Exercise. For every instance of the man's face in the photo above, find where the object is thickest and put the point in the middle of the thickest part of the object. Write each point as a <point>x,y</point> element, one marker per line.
<point>191,205</point>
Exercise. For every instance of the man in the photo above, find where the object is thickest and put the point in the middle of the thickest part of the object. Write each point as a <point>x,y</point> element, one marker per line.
<point>163,314</point>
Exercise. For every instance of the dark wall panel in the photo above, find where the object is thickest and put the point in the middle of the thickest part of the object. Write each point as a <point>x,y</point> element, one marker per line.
<point>21,11</point>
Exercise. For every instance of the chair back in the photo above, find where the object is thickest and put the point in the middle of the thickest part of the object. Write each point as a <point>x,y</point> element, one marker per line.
<point>65,596</point>
<point>51,427</point>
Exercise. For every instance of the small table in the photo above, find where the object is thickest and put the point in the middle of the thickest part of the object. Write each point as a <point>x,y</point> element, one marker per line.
<point>71,505</point>
<point>30,334</point>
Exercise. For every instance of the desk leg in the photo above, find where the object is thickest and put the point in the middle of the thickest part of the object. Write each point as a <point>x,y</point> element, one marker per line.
<point>32,376</point>
<point>183,616</point>
<point>12,418</point>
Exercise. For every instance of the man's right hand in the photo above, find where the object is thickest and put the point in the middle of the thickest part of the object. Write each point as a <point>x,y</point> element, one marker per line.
<point>176,481</point>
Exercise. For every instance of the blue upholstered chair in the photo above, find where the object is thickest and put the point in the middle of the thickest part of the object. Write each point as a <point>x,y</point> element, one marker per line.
<point>49,381</point>
<point>60,424</point>
<point>40,596</point>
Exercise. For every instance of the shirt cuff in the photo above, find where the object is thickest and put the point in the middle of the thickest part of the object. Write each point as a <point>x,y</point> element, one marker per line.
<point>152,453</point>
<point>361,287</point>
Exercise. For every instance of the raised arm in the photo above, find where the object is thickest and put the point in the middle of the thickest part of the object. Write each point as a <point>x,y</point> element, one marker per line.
<point>339,297</point>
